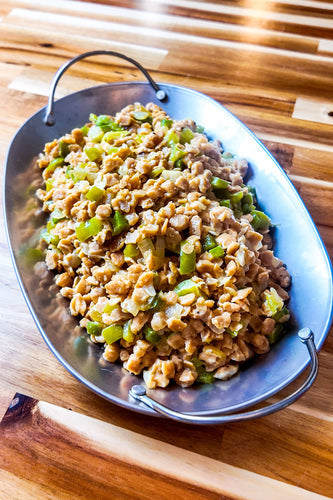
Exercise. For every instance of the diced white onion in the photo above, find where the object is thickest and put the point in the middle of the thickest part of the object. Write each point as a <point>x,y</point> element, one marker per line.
<point>99,181</point>
<point>171,175</point>
<point>146,246</point>
<point>123,170</point>
<point>82,186</point>
<point>150,290</point>
<point>174,311</point>
<point>128,305</point>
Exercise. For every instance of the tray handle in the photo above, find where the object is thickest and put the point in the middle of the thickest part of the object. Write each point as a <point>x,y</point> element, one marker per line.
<point>138,393</point>
<point>49,118</point>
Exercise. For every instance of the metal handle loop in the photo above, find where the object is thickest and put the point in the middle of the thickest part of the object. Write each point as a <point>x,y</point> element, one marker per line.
<point>49,118</point>
<point>138,392</point>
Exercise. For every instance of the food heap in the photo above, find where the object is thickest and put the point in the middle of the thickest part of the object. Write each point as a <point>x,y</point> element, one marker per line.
<point>160,248</point>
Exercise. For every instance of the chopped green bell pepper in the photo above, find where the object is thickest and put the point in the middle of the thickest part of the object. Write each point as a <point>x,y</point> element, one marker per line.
<point>150,335</point>
<point>187,258</point>
<point>131,251</point>
<point>218,183</point>
<point>247,203</point>
<point>217,252</point>
<point>57,162</point>
<point>187,286</point>
<point>154,304</point>
<point>166,122</point>
<point>51,239</point>
<point>119,223</point>
<point>128,335</point>
<point>57,215</point>
<point>156,172</point>
<point>252,191</point>
<point>85,130</point>
<point>94,328</point>
<point>63,148</point>
<point>114,134</point>
<point>236,203</point>
<point>112,333</point>
<point>260,220</point>
<point>203,377</point>
<point>157,304</point>
<point>176,153</point>
<point>106,123</point>
<point>88,228</point>
<point>186,135</point>
<point>49,184</point>
<point>171,138</point>
<point>225,203</point>
<point>108,308</point>
<point>96,315</point>
<point>208,243</point>
<point>236,198</point>
<point>92,153</point>
<point>79,173</point>
<point>112,150</point>
<point>92,117</point>
<point>143,116</point>
<point>280,314</point>
<point>232,333</point>
<point>95,193</point>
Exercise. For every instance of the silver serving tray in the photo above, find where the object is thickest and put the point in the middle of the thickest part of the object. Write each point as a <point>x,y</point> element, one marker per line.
<point>296,242</point>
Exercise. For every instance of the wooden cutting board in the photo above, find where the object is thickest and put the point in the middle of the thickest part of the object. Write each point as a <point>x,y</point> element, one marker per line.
<point>48,450</point>
<point>271,64</point>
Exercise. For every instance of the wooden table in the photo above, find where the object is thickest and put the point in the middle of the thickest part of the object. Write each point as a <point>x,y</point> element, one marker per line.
<point>271,64</point>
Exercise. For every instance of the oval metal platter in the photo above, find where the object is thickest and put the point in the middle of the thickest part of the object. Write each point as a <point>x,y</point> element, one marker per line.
<point>296,242</point>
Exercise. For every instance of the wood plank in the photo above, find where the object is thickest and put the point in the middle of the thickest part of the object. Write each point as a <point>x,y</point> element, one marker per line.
<point>76,24</point>
<point>325,46</point>
<point>313,460</point>
<point>302,161</point>
<point>259,11</point>
<point>181,24</point>
<point>317,196</point>
<point>262,15</point>
<point>72,45</point>
<point>210,52</point>
<point>37,430</point>
<point>313,110</point>
<point>326,232</point>
<point>290,130</point>
<point>11,485</point>
<point>38,82</point>
<point>8,72</point>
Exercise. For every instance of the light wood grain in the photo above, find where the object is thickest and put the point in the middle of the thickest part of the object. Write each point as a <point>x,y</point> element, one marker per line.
<point>314,110</point>
<point>271,64</point>
<point>47,432</point>
<point>184,24</point>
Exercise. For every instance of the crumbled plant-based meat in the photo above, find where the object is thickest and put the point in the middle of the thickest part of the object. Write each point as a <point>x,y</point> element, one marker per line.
<point>156,241</point>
